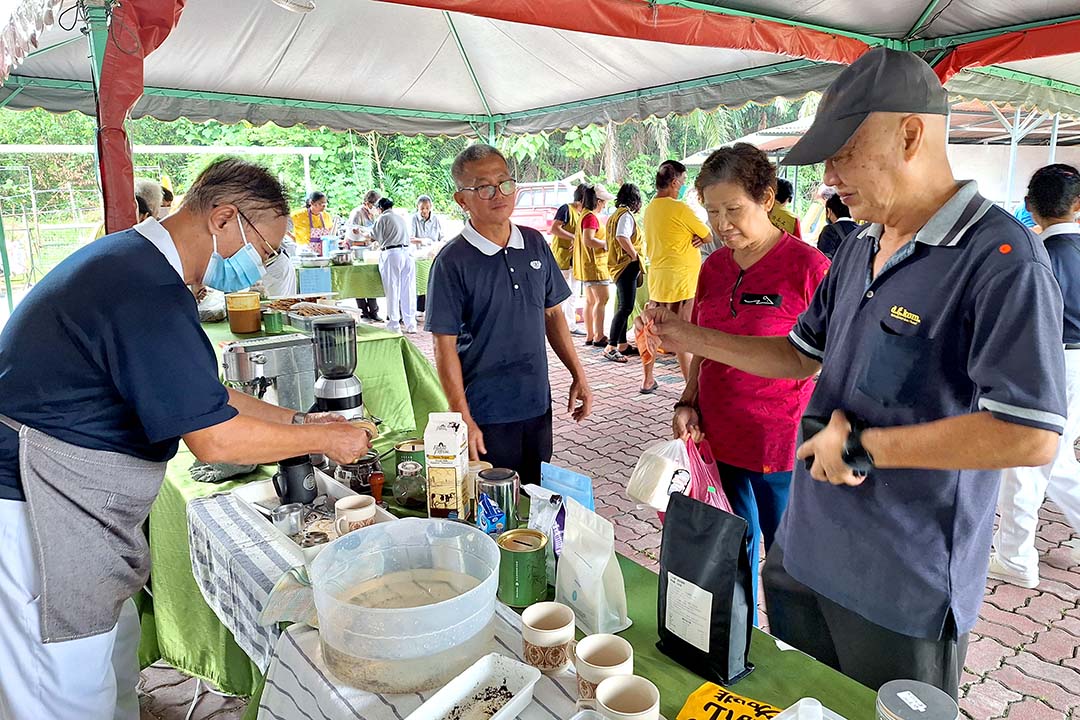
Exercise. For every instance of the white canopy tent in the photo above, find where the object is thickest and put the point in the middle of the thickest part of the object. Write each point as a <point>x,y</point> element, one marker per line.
<point>463,66</point>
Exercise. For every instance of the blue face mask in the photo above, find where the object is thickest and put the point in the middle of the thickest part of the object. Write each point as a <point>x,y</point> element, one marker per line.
<point>241,271</point>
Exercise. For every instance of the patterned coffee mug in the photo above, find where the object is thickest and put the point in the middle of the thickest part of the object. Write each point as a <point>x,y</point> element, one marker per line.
<point>598,657</point>
<point>353,512</point>
<point>547,632</point>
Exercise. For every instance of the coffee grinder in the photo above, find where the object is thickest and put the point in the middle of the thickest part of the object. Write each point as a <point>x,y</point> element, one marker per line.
<point>337,389</point>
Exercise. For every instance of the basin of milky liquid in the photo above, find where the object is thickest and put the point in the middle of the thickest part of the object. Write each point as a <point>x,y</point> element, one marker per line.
<point>423,670</point>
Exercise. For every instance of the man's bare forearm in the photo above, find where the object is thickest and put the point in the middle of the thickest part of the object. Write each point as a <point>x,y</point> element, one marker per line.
<point>448,365</point>
<point>978,441</point>
<point>253,407</point>
<point>770,357</point>
<point>558,336</point>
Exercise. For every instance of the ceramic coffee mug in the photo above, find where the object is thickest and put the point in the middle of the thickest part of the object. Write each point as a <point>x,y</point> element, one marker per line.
<point>547,631</point>
<point>628,697</point>
<point>353,512</point>
<point>597,658</point>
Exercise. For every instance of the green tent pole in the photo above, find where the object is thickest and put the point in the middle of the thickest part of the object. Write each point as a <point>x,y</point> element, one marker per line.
<point>493,134</point>
<point>7,268</point>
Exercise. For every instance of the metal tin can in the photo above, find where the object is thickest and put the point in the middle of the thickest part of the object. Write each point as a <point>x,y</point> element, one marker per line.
<point>411,449</point>
<point>522,567</point>
<point>503,487</point>
<point>273,322</point>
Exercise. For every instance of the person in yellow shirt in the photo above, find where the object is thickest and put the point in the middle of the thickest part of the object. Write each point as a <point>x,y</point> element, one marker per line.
<point>673,234</point>
<point>312,222</point>
<point>780,216</point>
<point>590,262</point>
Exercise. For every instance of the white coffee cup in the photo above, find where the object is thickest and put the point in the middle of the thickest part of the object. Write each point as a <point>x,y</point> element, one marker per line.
<point>628,697</point>
<point>598,657</point>
<point>353,512</point>
<point>547,632</point>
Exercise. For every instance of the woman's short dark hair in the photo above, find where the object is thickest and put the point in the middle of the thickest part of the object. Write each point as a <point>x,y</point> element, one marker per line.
<point>629,196</point>
<point>839,209</point>
<point>784,190</point>
<point>313,197</point>
<point>166,194</point>
<point>144,209</point>
<point>742,164</point>
<point>385,204</point>
<point>579,192</point>
<point>668,171</point>
<point>372,196</point>
<point>231,180</point>
<point>1054,190</point>
<point>588,197</point>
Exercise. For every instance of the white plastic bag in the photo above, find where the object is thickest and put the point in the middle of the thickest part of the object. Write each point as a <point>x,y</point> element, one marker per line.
<point>661,470</point>
<point>589,579</point>
<point>212,306</point>
<point>547,514</point>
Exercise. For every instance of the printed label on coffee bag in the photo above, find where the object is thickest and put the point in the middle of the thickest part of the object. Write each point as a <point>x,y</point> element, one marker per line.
<point>689,612</point>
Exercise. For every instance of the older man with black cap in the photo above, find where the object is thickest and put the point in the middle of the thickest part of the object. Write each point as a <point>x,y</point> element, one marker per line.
<point>937,334</point>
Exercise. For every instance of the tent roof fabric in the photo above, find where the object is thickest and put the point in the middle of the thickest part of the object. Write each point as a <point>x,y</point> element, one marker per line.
<point>419,66</point>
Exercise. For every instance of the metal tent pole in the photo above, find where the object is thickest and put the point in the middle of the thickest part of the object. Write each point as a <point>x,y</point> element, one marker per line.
<point>7,267</point>
<point>1054,139</point>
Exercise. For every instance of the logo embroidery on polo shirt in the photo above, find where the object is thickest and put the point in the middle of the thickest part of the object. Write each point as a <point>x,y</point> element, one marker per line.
<point>902,313</point>
<point>536,264</point>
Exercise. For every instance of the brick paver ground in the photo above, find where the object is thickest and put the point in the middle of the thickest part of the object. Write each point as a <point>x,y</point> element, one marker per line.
<point>1023,662</point>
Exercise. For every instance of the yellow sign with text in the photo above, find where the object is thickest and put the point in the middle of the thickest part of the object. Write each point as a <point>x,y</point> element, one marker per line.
<point>712,702</point>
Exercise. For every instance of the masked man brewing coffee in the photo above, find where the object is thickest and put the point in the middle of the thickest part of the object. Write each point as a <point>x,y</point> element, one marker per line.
<point>103,369</point>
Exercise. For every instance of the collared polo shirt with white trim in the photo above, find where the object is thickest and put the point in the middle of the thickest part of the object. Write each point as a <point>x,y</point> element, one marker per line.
<point>493,299</point>
<point>965,317</point>
<point>1062,243</point>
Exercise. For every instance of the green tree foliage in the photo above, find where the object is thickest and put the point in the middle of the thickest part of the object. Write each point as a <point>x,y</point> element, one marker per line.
<point>402,167</point>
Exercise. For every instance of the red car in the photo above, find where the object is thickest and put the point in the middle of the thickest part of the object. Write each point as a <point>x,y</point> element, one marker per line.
<point>537,203</point>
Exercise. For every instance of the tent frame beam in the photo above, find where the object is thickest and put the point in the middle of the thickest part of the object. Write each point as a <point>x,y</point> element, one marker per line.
<point>1028,78</point>
<point>484,125</point>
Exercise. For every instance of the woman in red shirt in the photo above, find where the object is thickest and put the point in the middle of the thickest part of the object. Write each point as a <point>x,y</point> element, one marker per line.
<point>756,284</point>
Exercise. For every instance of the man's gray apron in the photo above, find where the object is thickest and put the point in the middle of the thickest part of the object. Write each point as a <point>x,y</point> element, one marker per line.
<point>86,512</point>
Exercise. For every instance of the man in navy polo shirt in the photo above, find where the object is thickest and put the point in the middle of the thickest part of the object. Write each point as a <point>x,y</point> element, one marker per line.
<point>938,337</point>
<point>493,296</point>
<point>1053,198</point>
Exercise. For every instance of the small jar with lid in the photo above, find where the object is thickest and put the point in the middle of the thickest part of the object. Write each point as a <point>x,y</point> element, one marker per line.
<point>364,477</point>
<point>410,488</point>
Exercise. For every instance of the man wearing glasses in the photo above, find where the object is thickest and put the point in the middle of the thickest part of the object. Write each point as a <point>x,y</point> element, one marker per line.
<point>103,369</point>
<point>493,295</point>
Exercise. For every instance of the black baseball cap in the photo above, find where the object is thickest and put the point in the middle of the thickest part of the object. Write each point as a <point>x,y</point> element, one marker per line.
<point>882,80</point>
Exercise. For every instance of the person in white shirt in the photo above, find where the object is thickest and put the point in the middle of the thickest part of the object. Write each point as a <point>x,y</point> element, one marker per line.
<point>397,268</point>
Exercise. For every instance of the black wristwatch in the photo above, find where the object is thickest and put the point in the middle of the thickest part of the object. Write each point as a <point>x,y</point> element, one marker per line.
<point>684,404</point>
<point>854,455</point>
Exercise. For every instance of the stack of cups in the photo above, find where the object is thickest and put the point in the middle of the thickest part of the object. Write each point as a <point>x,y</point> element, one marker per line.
<point>604,664</point>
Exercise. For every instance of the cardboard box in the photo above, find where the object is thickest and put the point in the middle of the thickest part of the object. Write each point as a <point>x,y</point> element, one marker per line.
<point>446,448</point>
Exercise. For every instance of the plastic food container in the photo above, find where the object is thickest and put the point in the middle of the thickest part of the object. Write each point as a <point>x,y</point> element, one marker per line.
<point>405,606</point>
<point>492,682</point>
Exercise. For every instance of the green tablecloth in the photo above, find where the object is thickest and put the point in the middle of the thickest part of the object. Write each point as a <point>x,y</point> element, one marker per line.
<point>400,386</point>
<point>363,280</point>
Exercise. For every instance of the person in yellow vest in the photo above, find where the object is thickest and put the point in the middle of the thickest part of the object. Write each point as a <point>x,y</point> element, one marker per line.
<point>780,216</point>
<point>590,262</point>
<point>625,247</point>
<point>673,234</point>
<point>563,231</point>
<point>312,222</point>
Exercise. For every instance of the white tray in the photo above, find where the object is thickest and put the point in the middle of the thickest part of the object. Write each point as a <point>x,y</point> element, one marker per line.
<point>261,494</point>
<point>489,671</point>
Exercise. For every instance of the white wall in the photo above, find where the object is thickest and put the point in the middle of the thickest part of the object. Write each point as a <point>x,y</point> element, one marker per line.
<point>989,164</point>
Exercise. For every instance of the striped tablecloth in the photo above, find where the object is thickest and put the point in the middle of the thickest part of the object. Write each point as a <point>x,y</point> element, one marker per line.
<point>298,685</point>
<point>236,559</point>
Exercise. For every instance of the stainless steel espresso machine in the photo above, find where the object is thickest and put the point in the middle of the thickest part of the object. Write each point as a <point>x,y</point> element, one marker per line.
<point>278,369</point>
<point>337,389</point>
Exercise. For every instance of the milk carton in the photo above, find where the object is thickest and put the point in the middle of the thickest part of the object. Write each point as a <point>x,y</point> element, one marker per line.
<point>446,448</point>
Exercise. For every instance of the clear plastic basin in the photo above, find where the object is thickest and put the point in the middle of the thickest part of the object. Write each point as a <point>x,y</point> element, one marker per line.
<point>405,606</point>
